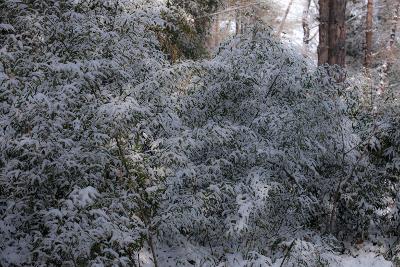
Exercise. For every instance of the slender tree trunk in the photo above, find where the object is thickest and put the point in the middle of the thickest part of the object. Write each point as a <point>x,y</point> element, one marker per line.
<point>284,18</point>
<point>392,39</point>
<point>332,32</point>
<point>368,36</point>
<point>237,22</point>
<point>216,31</point>
<point>238,18</point>
<point>242,18</point>
<point>389,57</point>
<point>306,24</point>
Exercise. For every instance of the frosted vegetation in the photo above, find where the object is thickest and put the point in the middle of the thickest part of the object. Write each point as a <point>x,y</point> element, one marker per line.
<point>111,155</point>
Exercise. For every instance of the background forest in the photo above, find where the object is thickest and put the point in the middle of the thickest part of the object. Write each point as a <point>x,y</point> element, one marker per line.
<point>199,133</point>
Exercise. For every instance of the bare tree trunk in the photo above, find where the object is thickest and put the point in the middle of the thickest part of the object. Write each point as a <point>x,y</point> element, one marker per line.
<point>306,24</point>
<point>323,46</point>
<point>284,18</point>
<point>389,57</point>
<point>242,18</point>
<point>368,36</point>
<point>332,32</point>
<point>337,32</point>
<point>216,31</point>
<point>237,22</point>
<point>392,39</point>
<point>238,16</point>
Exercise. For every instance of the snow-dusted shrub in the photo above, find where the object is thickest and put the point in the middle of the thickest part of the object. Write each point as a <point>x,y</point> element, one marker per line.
<point>77,96</point>
<point>385,153</point>
<point>267,149</point>
<point>302,253</point>
<point>377,122</point>
<point>106,149</point>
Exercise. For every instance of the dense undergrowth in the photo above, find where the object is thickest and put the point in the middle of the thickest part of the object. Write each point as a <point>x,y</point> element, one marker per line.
<point>109,150</point>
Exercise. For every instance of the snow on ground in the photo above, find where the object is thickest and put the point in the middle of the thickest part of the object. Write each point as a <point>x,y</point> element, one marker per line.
<point>364,259</point>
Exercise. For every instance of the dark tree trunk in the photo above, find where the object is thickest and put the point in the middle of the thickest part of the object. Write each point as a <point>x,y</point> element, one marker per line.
<point>323,46</point>
<point>368,36</point>
<point>337,32</point>
<point>332,32</point>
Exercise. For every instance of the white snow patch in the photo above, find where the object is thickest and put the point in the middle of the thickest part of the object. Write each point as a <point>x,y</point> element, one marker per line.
<point>85,196</point>
<point>364,259</point>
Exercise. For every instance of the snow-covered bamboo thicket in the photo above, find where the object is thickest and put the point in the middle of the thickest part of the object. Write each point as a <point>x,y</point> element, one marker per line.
<point>269,151</point>
<point>78,96</point>
<point>110,153</point>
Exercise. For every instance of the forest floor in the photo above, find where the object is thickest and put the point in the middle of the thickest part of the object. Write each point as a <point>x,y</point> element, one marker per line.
<point>367,256</point>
